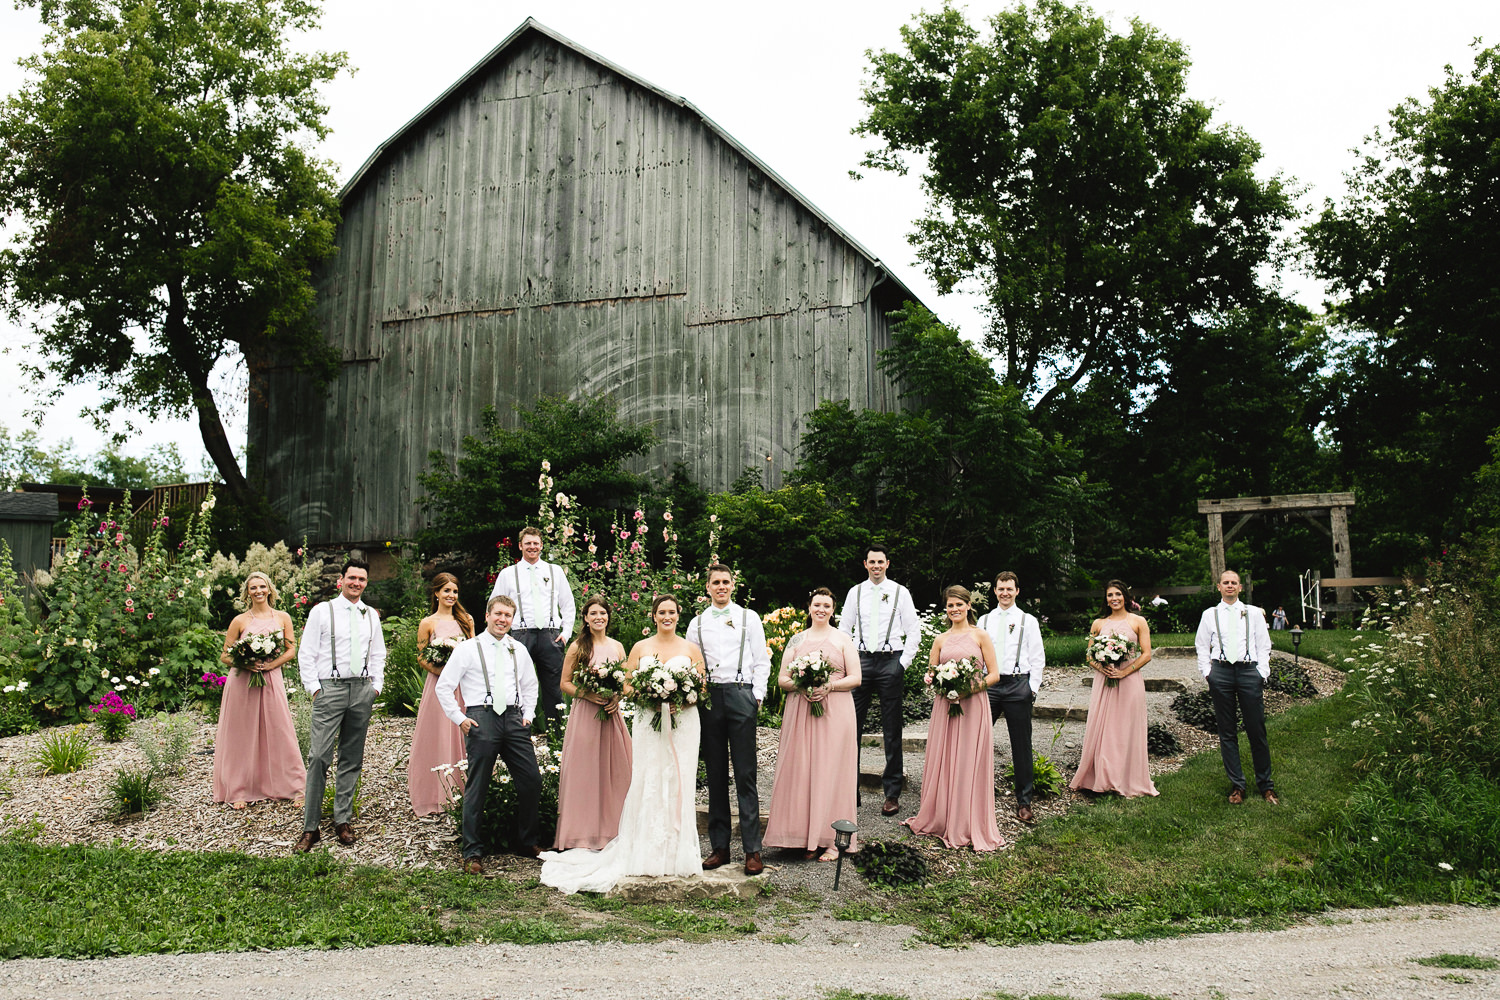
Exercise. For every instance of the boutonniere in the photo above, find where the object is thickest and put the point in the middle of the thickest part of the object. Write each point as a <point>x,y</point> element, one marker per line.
<point>729,623</point>
<point>884,598</point>
<point>362,611</point>
<point>1012,627</point>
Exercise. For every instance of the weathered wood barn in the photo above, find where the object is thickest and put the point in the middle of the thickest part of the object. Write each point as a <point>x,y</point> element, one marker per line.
<point>554,224</point>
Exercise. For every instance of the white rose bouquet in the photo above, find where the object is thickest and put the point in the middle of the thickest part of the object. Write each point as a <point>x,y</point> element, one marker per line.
<point>605,679</point>
<point>809,672</point>
<point>439,651</point>
<point>667,686</point>
<point>954,680</point>
<point>254,649</point>
<point>1110,651</point>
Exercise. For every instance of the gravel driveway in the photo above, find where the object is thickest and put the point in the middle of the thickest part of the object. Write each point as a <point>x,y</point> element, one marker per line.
<point>1352,954</point>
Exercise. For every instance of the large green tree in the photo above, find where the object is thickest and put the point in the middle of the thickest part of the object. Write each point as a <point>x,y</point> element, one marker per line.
<point>170,214</point>
<point>1069,176</point>
<point>1413,252</point>
<point>958,482</point>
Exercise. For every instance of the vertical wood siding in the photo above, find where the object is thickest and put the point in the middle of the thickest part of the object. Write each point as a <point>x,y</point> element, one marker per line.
<point>556,228</point>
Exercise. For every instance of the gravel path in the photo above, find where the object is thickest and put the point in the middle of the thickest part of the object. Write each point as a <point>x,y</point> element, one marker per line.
<point>1352,954</point>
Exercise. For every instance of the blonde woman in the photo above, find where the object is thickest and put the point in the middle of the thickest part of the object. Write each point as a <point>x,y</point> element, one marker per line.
<point>256,755</point>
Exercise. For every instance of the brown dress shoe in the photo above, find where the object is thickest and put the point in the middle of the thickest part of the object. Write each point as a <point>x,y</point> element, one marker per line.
<point>1236,796</point>
<point>718,859</point>
<point>345,833</point>
<point>891,807</point>
<point>306,841</point>
<point>471,866</point>
<point>1025,815</point>
<point>753,864</point>
<point>1270,797</point>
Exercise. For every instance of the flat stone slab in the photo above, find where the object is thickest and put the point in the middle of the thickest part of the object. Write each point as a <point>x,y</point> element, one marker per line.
<point>912,740</point>
<point>728,882</point>
<point>734,811</point>
<point>1065,693</point>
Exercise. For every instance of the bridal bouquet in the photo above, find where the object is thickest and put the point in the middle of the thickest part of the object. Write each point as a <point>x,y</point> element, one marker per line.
<point>253,649</point>
<point>605,679</point>
<point>953,680</point>
<point>439,651</point>
<point>1110,651</point>
<point>808,672</point>
<point>674,684</point>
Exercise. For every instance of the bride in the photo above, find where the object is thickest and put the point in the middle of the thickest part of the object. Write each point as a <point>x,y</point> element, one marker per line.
<point>658,826</point>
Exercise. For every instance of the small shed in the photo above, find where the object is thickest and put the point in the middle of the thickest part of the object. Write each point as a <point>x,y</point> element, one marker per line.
<point>26,525</point>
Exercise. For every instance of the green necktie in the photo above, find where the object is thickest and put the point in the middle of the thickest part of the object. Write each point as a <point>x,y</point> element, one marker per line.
<point>356,641</point>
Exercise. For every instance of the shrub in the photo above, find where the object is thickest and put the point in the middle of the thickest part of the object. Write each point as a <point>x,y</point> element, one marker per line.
<point>64,750</point>
<point>165,741</point>
<point>134,791</point>
<point>211,689</point>
<point>1290,679</point>
<point>1046,779</point>
<point>404,676</point>
<point>891,864</point>
<point>1196,709</point>
<point>113,716</point>
<point>1160,742</point>
<point>295,577</point>
<point>329,793</point>
<point>16,716</point>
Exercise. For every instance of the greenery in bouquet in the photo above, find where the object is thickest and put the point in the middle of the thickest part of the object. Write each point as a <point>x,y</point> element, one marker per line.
<point>954,680</point>
<point>1108,650</point>
<point>809,673</point>
<point>672,683</point>
<point>439,651</point>
<point>605,680</point>
<point>253,650</point>
<point>121,614</point>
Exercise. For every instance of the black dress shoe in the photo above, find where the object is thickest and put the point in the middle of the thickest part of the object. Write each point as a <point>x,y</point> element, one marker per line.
<point>718,859</point>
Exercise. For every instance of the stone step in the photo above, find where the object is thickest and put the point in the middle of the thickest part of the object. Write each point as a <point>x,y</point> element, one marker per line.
<point>912,740</point>
<point>729,882</point>
<point>1152,683</point>
<point>734,814</point>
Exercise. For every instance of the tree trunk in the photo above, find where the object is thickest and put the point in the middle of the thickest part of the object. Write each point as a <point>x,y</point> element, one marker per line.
<point>196,371</point>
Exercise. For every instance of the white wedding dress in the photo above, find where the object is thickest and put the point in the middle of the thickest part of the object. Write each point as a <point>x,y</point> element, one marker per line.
<point>659,822</point>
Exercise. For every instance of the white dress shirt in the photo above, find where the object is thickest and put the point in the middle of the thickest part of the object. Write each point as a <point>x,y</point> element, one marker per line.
<point>733,641</point>
<point>867,618</point>
<point>542,594</point>
<point>1239,634</point>
<point>512,677</point>
<point>320,649</point>
<point>1015,633</point>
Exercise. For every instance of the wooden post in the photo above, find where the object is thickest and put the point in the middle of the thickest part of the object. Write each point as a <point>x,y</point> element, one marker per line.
<point>1343,563</point>
<point>1216,545</point>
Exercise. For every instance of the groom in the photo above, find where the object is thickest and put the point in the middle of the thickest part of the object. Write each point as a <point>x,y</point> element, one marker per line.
<point>342,665</point>
<point>739,664</point>
<point>499,686</point>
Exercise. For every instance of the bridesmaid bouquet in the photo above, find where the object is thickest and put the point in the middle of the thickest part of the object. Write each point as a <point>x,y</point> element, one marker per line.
<point>606,679</point>
<point>1110,651</point>
<point>439,651</point>
<point>252,650</point>
<point>674,683</point>
<point>954,680</point>
<point>808,672</point>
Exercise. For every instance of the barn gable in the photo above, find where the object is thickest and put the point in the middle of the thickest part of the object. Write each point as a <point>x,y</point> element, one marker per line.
<point>553,224</point>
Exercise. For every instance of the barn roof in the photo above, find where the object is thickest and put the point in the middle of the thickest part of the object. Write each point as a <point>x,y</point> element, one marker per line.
<point>531,24</point>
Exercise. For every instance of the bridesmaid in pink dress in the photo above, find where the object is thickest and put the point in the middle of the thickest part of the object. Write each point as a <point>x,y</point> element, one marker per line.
<point>817,762</point>
<point>437,741</point>
<point>958,778</point>
<point>256,755</point>
<point>1114,744</point>
<point>596,759</point>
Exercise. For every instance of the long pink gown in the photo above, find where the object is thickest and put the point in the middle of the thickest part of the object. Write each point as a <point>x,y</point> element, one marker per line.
<point>958,778</point>
<point>594,775</point>
<point>1114,743</point>
<point>817,763</point>
<point>435,741</point>
<point>256,755</point>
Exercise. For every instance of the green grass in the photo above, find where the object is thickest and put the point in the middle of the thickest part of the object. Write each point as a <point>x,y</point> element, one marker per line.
<point>1447,961</point>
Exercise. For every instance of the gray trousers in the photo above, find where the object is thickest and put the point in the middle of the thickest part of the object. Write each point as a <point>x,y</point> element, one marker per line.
<point>728,734</point>
<point>1236,689</point>
<point>341,718</point>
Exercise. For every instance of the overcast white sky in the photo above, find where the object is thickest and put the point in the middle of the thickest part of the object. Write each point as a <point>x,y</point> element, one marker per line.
<point>1308,79</point>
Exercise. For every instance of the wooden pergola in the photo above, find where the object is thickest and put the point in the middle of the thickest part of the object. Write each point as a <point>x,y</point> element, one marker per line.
<point>1311,506</point>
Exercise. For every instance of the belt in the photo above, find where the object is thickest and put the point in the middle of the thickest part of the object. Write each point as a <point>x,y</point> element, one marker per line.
<point>344,680</point>
<point>729,684</point>
<point>529,628</point>
<point>1234,663</point>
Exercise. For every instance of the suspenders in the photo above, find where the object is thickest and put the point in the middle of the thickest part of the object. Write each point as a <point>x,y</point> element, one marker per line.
<point>859,620</point>
<point>1016,668</point>
<point>739,670</point>
<point>521,601</point>
<point>1245,616</point>
<point>333,645</point>
<point>489,698</point>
